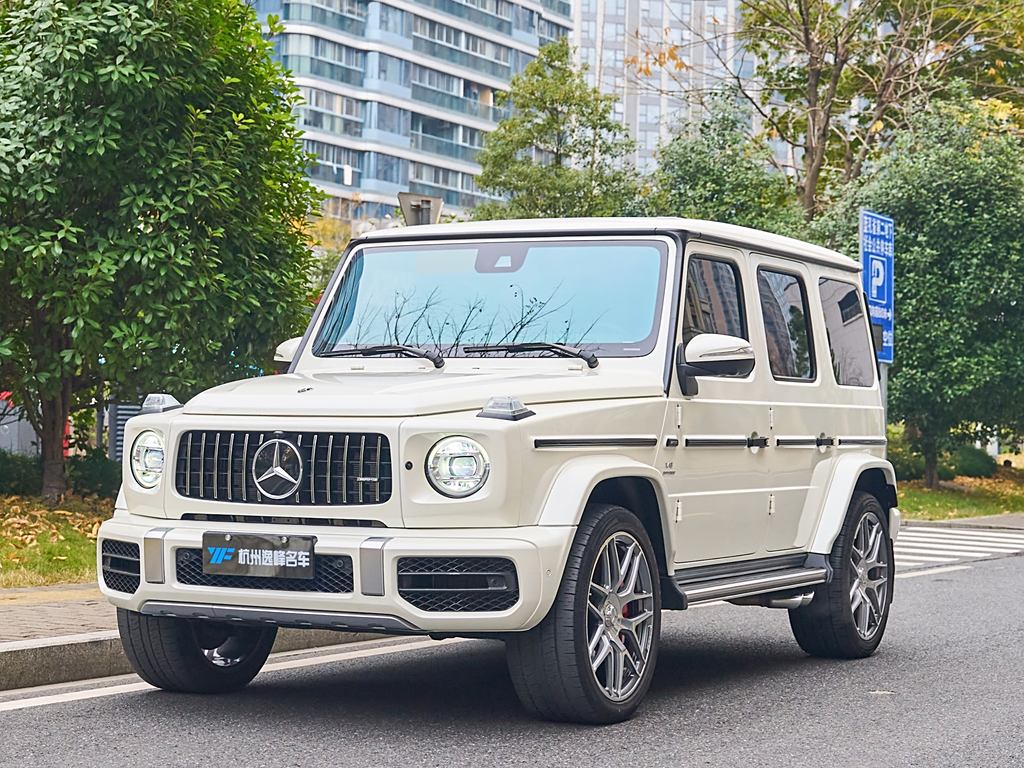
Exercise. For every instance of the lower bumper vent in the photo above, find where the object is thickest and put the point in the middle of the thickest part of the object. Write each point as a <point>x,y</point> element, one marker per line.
<point>333,574</point>
<point>120,565</point>
<point>462,584</point>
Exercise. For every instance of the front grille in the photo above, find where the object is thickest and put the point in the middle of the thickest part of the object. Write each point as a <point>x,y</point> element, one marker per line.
<point>338,468</point>
<point>120,565</point>
<point>281,520</point>
<point>333,574</point>
<point>460,584</point>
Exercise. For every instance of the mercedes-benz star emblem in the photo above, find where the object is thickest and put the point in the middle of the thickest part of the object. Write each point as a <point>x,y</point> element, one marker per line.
<point>277,469</point>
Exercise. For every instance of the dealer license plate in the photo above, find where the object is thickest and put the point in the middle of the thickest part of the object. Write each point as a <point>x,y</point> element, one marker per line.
<point>247,554</point>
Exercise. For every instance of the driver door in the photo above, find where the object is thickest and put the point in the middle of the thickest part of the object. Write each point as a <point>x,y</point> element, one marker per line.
<point>718,480</point>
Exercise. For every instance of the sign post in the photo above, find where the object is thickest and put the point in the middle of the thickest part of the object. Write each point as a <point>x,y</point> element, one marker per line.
<point>877,257</point>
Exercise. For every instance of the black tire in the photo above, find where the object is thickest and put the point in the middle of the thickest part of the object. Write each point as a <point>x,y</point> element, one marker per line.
<point>171,654</point>
<point>826,627</point>
<point>550,665</point>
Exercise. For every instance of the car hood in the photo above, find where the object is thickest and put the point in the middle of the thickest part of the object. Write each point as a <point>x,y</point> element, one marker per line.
<point>410,393</point>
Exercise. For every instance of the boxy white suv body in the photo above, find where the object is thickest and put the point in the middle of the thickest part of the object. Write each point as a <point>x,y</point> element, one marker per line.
<point>542,431</point>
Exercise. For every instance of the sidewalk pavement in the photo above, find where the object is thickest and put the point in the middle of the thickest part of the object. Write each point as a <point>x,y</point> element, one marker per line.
<point>45,612</point>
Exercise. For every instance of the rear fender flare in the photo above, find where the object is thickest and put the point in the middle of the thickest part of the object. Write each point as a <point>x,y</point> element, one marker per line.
<point>833,495</point>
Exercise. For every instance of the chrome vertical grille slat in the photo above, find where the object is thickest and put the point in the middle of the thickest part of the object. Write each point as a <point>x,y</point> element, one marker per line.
<point>245,464</point>
<point>337,467</point>
<point>330,463</point>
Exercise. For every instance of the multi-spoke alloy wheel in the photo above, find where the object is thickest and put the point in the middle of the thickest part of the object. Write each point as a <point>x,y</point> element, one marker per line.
<point>869,592</point>
<point>847,617</point>
<point>620,616</point>
<point>592,658</point>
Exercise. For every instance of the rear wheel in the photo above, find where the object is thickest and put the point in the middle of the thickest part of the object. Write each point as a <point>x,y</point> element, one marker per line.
<point>847,617</point>
<point>193,656</point>
<point>592,658</point>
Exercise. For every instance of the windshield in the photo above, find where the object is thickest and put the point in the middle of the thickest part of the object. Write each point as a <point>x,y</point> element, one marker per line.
<point>601,295</point>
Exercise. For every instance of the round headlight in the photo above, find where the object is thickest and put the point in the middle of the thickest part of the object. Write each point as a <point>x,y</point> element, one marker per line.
<point>148,458</point>
<point>457,466</point>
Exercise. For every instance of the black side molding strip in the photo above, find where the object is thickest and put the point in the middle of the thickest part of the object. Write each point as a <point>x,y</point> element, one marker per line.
<point>591,442</point>
<point>797,442</point>
<point>716,442</point>
<point>862,441</point>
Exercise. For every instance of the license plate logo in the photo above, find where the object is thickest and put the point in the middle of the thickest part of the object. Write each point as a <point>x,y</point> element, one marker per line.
<point>243,554</point>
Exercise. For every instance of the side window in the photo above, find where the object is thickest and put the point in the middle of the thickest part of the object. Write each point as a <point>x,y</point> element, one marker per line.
<point>786,324</point>
<point>714,299</point>
<point>847,330</point>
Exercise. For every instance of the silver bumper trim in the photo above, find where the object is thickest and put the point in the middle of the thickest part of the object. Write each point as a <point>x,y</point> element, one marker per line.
<point>280,617</point>
<point>153,555</point>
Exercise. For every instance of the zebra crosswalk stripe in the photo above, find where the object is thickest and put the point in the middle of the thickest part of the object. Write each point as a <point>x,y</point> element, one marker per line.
<point>920,545</point>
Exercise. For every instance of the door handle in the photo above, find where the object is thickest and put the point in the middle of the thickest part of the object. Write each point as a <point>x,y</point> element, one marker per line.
<point>757,442</point>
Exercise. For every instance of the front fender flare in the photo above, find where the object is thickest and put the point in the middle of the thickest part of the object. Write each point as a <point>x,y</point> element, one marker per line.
<point>833,495</point>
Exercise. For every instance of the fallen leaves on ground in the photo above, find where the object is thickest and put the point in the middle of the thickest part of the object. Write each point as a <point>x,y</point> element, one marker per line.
<point>25,521</point>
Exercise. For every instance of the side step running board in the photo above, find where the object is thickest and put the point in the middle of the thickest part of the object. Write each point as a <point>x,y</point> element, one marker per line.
<point>730,588</point>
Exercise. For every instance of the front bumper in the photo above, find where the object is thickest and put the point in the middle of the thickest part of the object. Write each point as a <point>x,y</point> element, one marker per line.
<point>538,552</point>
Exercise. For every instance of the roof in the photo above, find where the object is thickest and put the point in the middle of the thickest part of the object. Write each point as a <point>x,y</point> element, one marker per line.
<point>711,231</point>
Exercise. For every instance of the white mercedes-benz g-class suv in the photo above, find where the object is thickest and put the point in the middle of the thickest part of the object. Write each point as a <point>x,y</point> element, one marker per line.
<point>545,432</point>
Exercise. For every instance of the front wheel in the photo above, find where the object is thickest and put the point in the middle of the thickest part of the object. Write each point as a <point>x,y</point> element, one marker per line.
<point>592,658</point>
<point>847,617</point>
<point>193,656</point>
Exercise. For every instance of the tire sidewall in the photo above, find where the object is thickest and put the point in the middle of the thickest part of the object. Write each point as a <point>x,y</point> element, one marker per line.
<point>863,506</point>
<point>615,520</point>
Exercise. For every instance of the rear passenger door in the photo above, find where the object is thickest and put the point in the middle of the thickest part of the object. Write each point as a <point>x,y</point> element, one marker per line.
<point>797,402</point>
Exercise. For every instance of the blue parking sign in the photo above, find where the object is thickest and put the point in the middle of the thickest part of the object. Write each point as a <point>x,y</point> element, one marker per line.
<point>877,252</point>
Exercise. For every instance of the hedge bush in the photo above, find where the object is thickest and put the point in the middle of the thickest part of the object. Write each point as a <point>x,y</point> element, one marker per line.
<point>20,475</point>
<point>973,462</point>
<point>91,474</point>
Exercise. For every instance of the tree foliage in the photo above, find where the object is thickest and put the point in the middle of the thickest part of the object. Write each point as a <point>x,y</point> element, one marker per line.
<point>151,202</point>
<point>714,171</point>
<point>954,183</point>
<point>560,152</point>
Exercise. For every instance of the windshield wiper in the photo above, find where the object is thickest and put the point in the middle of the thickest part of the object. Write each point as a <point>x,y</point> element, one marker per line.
<point>385,349</point>
<point>562,350</point>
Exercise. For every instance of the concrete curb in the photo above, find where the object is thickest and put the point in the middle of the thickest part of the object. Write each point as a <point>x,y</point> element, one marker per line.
<point>67,658</point>
<point>971,523</point>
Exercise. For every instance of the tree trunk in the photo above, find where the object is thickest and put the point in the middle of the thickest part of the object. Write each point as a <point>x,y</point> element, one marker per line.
<point>931,466</point>
<point>54,421</point>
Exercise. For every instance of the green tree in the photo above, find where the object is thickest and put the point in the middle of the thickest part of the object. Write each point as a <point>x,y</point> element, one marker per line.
<point>954,183</point>
<point>713,170</point>
<point>560,152</point>
<point>833,80</point>
<point>152,202</point>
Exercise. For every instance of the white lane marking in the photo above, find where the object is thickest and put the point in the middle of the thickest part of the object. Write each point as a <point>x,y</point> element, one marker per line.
<point>933,544</point>
<point>940,547</point>
<point>948,554</point>
<point>903,559</point>
<point>930,571</point>
<point>960,533</point>
<point>1007,541</point>
<point>114,690</point>
<point>962,543</point>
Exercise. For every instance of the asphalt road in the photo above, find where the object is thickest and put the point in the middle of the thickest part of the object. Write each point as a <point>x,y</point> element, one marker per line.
<point>733,689</point>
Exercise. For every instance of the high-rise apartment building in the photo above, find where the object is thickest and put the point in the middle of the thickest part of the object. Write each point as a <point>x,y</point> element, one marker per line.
<point>399,94</point>
<point>609,34</point>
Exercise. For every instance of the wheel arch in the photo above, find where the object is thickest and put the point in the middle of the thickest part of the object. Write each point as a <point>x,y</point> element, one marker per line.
<point>612,480</point>
<point>852,473</point>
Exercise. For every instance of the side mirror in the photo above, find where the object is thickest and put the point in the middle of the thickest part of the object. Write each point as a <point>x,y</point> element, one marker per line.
<point>285,352</point>
<point>712,354</point>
